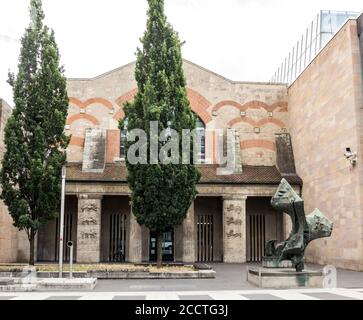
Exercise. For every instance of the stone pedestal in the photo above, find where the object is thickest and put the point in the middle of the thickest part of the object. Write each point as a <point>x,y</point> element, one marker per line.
<point>284,278</point>
<point>135,241</point>
<point>234,229</point>
<point>189,237</point>
<point>89,228</point>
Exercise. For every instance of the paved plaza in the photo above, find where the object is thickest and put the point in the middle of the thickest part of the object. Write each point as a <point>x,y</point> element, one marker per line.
<point>229,277</point>
<point>230,284</point>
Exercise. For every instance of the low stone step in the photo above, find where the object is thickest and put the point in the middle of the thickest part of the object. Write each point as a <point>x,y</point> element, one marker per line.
<point>202,266</point>
<point>18,288</point>
<point>6,281</point>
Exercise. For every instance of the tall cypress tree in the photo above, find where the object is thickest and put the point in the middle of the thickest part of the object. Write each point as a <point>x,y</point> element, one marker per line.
<point>34,134</point>
<point>161,193</point>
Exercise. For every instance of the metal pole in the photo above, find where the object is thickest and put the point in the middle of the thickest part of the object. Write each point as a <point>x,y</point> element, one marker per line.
<point>71,261</point>
<point>61,223</point>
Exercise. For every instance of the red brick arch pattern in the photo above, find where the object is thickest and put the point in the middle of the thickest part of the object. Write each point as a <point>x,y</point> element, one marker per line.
<point>84,116</point>
<point>85,104</point>
<point>256,124</point>
<point>278,106</point>
<point>198,103</point>
<point>264,144</point>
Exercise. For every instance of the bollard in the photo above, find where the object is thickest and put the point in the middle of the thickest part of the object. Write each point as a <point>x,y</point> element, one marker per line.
<point>70,246</point>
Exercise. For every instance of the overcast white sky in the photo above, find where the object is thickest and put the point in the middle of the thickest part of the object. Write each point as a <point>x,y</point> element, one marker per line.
<point>242,40</point>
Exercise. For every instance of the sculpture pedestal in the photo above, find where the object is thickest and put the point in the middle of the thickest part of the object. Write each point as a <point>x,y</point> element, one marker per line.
<point>273,262</point>
<point>284,278</point>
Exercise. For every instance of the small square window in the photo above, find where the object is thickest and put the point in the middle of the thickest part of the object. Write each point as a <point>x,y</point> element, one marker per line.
<point>270,114</point>
<point>243,113</point>
<point>83,111</point>
<point>68,127</point>
<point>257,130</point>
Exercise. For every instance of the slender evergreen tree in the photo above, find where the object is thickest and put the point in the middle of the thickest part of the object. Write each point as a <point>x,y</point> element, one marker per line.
<point>161,193</point>
<point>34,135</point>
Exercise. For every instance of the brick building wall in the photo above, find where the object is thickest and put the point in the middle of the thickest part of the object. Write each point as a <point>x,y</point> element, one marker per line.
<point>325,118</point>
<point>256,110</point>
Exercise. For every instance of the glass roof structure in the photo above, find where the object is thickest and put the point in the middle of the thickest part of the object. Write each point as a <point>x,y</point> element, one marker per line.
<point>316,36</point>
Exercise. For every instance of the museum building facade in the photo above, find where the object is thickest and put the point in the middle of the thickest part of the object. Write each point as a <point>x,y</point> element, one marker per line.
<point>297,132</point>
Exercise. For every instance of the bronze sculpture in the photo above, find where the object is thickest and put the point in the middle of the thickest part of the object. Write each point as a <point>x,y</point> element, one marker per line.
<point>304,229</point>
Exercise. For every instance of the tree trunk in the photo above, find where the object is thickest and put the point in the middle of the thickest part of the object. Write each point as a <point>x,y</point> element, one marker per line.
<point>159,248</point>
<point>32,248</point>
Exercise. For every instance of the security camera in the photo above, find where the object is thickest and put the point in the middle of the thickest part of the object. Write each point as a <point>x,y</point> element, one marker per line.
<point>351,156</point>
<point>69,244</point>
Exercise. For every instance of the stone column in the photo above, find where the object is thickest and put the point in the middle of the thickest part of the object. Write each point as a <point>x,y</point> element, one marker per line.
<point>189,237</point>
<point>89,228</point>
<point>135,241</point>
<point>234,229</point>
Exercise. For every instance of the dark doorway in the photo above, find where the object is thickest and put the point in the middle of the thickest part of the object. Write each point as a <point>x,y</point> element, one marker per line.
<point>205,238</point>
<point>209,229</point>
<point>115,229</point>
<point>168,246</point>
<point>263,224</point>
<point>48,235</point>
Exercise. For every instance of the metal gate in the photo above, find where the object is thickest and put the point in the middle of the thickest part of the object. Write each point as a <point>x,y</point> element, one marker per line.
<point>68,228</point>
<point>205,238</point>
<point>256,229</point>
<point>118,234</point>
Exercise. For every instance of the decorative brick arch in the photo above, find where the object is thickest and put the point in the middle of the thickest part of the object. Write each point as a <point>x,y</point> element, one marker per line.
<point>85,104</point>
<point>119,115</point>
<point>127,97</point>
<point>255,104</point>
<point>278,106</point>
<point>199,104</point>
<point>264,144</point>
<point>78,117</point>
<point>256,124</point>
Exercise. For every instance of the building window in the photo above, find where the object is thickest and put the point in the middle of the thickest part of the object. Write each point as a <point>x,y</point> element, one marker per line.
<point>200,126</point>
<point>123,141</point>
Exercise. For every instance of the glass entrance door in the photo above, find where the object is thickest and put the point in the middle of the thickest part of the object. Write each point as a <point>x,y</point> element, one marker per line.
<point>168,246</point>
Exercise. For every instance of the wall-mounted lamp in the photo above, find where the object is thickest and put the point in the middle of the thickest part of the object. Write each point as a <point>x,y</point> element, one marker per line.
<point>351,156</point>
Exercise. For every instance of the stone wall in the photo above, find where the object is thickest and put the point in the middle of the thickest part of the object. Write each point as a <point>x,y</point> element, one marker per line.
<point>325,118</point>
<point>256,110</point>
<point>8,234</point>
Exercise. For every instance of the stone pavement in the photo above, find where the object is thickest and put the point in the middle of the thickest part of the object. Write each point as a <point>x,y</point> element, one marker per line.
<point>302,294</point>
<point>228,277</point>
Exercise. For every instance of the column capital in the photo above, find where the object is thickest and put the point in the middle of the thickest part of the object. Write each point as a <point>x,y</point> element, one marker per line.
<point>234,197</point>
<point>90,196</point>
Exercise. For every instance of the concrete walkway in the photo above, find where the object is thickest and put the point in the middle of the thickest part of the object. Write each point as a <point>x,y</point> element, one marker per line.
<point>229,277</point>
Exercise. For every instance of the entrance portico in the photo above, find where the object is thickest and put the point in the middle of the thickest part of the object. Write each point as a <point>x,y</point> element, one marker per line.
<point>226,223</point>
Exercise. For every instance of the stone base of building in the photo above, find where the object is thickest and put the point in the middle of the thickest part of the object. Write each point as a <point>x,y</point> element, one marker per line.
<point>284,278</point>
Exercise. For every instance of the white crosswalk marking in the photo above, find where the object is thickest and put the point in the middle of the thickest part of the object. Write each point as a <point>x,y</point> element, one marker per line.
<point>98,296</point>
<point>354,294</point>
<point>32,296</point>
<point>303,294</point>
<point>162,296</point>
<point>293,296</point>
<point>227,296</point>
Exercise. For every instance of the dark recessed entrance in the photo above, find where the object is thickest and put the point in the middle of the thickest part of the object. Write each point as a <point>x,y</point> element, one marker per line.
<point>168,246</point>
